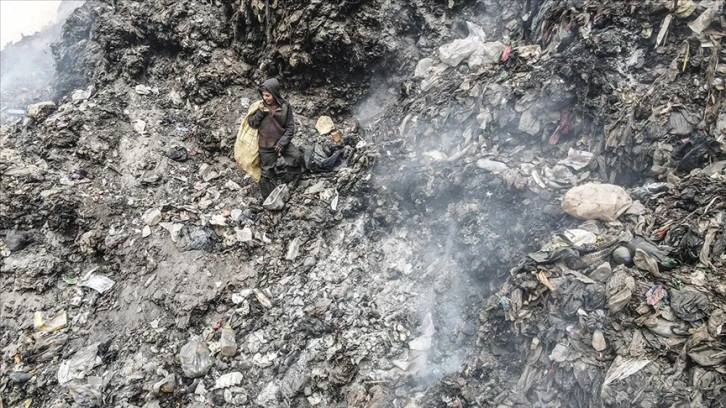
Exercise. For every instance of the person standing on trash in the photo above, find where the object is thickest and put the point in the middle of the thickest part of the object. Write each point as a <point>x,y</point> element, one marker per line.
<point>275,123</point>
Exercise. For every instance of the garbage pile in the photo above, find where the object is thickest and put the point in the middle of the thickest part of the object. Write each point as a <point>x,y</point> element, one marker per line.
<point>603,310</point>
<point>577,116</point>
<point>527,212</point>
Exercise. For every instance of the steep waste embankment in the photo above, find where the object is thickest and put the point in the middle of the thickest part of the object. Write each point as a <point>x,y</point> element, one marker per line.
<point>606,93</point>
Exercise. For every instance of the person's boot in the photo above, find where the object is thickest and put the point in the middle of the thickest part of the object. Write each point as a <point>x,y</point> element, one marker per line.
<point>292,177</point>
<point>266,187</point>
<point>294,173</point>
<point>294,180</point>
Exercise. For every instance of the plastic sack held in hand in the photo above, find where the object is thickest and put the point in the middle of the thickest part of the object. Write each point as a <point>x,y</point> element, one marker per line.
<point>246,147</point>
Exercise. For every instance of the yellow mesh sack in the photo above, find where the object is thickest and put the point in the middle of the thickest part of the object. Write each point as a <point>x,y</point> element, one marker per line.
<point>246,147</point>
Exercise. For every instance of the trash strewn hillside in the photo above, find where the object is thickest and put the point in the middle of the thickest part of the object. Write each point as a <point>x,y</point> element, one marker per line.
<point>509,204</point>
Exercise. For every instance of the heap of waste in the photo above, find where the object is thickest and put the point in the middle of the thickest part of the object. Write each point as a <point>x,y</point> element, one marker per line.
<point>506,204</point>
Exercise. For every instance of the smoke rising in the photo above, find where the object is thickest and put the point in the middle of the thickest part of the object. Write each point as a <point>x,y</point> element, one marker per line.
<point>25,18</point>
<point>425,244</point>
<point>27,67</point>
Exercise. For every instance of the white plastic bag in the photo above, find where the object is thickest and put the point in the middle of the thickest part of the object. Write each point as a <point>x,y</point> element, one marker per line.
<point>195,358</point>
<point>605,202</point>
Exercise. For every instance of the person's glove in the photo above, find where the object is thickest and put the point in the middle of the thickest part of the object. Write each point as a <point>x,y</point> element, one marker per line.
<point>259,115</point>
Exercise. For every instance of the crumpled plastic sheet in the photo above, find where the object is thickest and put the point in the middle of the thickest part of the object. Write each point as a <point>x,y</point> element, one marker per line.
<point>574,295</point>
<point>17,240</point>
<point>195,358</point>
<point>619,290</point>
<point>690,305</point>
<point>197,238</point>
<point>80,365</point>
<point>657,296</point>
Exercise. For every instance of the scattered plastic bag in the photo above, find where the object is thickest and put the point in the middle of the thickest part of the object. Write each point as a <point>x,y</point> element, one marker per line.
<point>178,153</point>
<point>580,237</point>
<point>605,202</point>
<point>577,159</point>
<point>140,126</point>
<point>659,254</point>
<point>717,323</point>
<point>323,159</point>
<point>657,296</point>
<point>704,20</point>
<point>622,368</point>
<point>474,49</point>
<point>192,238</point>
<point>420,347</point>
<point>49,325</point>
<point>264,300</point>
<point>645,262</point>
<point>277,199</point>
<point>87,393</point>
<point>99,283</point>
<point>227,341</point>
<point>486,54</point>
<point>598,340</point>
<point>17,240</point>
<point>423,342</point>
<point>707,356</point>
<point>561,353</point>
<point>195,358</point>
<point>619,290</point>
<point>647,191</point>
<point>690,305</point>
<point>228,380</point>
<point>80,365</point>
<point>491,166</point>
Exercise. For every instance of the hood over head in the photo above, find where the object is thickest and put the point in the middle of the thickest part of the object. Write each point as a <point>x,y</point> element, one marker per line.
<point>273,86</point>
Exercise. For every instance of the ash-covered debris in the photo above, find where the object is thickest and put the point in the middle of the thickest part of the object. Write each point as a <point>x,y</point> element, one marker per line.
<point>583,98</point>
<point>527,212</point>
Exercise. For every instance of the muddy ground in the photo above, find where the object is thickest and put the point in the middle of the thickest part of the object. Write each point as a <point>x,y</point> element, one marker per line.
<point>428,269</point>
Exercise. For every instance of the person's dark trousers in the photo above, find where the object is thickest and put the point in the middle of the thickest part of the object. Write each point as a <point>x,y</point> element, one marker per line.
<point>294,164</point>
<point>268,159</point>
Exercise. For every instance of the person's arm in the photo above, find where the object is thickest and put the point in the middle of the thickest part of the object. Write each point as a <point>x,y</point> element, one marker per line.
<point>289,128</point>
<point>256,119</point>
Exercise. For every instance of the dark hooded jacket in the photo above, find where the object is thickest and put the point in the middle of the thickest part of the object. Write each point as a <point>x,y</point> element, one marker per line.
<point>275,128</point>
